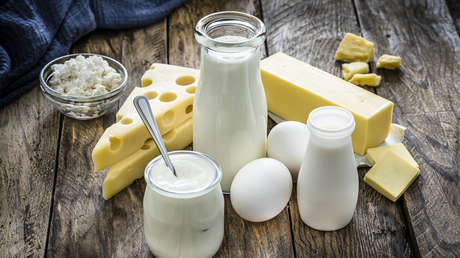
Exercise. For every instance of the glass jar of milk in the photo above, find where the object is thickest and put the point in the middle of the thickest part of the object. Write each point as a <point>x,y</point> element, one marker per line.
<point>230,110</point>
<point>183,215</point>
<point>327,185</point>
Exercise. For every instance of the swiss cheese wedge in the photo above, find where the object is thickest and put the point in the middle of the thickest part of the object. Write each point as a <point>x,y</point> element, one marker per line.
<point>179,75</point>
<point>124,172</point>
<point>171,103</point>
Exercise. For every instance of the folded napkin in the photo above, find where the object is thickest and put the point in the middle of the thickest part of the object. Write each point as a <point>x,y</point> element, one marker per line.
<point>32,33</point>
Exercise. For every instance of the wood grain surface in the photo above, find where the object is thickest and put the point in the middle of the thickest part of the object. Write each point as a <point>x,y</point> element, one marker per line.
<point>426,93</point>
<point>311,32</point>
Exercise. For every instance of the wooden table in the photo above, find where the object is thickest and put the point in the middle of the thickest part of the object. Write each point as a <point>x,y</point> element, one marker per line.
<point>51,202</point>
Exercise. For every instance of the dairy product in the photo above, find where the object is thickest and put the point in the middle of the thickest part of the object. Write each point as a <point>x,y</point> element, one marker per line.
<point>327,186</point>
<point>354,48</point>
<point>389,62</point>
<point>370,79</point>
<point>87,77</point>
<point>178,75</point>
<point>171,105</point>
<point>124,172</point>
<point>294,89</point>
<point>230,111</point>
<point>375,154</point>
<point>183,215</point>
<point>391,175</point>
<point>348,70</point>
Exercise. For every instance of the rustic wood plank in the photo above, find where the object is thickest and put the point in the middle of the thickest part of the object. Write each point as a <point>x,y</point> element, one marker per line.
<point>242,238</point>
<point>426,93</point>
<point>83,223</point>
<point>454,8</point>
<point>29,130</point>
<point>311,31</point>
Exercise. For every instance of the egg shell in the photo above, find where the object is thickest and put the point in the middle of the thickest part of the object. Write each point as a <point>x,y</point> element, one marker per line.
<point>287,143</point>
<point>261,189</point>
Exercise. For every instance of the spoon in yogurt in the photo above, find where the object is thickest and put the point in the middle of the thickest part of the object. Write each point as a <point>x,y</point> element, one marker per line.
<point>145,112</point>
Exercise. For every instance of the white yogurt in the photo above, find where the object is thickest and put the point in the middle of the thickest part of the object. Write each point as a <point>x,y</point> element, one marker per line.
<point>230,110</point>
<point>183,215</point>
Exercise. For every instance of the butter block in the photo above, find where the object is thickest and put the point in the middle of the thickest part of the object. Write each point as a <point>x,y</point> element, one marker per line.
<point>391,175</point>
<point>370,79</point>
<point>124,172</point>
<point>171,104</point>
<point>354,48</point>
<point>375,154</point>
<point>348,70</point>
<point>389,62</point>
<point>294,88</point>
<point>182,76</point>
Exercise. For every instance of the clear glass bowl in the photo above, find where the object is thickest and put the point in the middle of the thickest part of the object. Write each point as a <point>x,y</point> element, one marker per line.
<point>78,107</point>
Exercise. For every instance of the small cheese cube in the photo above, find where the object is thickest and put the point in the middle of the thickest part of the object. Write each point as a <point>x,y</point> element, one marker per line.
<point>294,88</point>
<point>124,172</point>
<point>370,79</point>
<point>348,70</point>
<point>375,154</point>
<point>391,175</point>
<point>389,62</point>
<point>354,48</point>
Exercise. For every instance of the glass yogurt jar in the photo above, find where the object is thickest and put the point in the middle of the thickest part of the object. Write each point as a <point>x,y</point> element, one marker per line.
<point>184,215</point>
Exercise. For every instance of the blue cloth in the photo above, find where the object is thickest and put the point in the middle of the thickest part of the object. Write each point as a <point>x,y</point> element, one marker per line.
<point>34,32</point>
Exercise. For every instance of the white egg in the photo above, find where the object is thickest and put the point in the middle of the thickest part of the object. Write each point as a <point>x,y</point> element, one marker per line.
<point>261,189</point>
<point>287,143</point>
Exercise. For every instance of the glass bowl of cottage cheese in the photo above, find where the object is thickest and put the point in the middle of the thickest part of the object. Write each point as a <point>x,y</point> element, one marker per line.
<point>84,86</point>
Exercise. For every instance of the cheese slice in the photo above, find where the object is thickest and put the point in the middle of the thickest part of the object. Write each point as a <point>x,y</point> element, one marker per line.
<point>391,175</point>
<point>375,154</point>
<point>171,105</point>
<point>124,172</point>
<point>294,89</point>
<point>179,75</point>
<point>354,48</point>
<point>370,79</point>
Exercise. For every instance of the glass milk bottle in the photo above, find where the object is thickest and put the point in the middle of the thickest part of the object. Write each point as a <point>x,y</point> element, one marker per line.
<point>230,110</point>
<point>327,186</point>
<point>183,215</point>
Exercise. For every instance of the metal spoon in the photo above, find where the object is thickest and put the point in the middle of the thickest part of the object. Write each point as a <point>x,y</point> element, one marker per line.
<point>145,112</point>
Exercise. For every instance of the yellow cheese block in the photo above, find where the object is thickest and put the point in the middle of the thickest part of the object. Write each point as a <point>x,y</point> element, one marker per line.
<point>389,62</point>
<point>375,154</point>
<point>179,75</point>
<point>354,48</point>
<point>391,175</point>
<point>124,172</point>
<point>171,105</point>
<point>348,70</point>
<point>370,79</point>
<point>294,89</point>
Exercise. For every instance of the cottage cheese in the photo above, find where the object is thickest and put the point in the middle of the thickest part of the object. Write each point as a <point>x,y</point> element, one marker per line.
<point>80,76</point>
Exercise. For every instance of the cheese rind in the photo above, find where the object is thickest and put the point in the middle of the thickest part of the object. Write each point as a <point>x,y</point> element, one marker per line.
<point>375,154</point>
<point>348,70</point>
<point>182,76</point>
<point>389,62</point>
<point>354,48</point>
<point>124,172</point>
<point>370,79</point>
<point>294,89</point>
<point>128,134</point>
<point>391,175</point>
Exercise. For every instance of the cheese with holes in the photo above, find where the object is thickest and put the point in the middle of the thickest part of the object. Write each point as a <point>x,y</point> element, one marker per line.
<point>294,89</point>
<point>179,75</point>
<point>354,48</point>
<point>348,70</point>
<point>124,172</point>
<point>389,62</point>
<point>171,104</point>
<point>370,79</point>
<point>391,175</point>
<point>375,154</point>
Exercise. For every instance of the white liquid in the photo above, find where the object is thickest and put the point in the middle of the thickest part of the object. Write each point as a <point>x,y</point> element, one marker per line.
<point>230,110</point>
<point>327,186</point>
<point>180,226</point>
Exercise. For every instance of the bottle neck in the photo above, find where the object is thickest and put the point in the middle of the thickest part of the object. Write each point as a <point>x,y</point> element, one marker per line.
<point>330,124</point>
